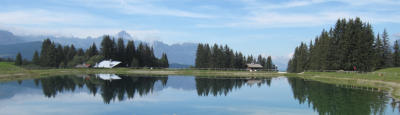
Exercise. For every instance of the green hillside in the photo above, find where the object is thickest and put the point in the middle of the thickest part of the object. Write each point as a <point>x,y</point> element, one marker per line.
<point>9,67</point>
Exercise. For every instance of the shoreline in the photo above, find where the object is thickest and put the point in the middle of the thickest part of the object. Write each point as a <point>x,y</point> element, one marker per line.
<point>391,87</point>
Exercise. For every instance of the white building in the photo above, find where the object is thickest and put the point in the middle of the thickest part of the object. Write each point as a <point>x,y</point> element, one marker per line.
<point>107,64</point>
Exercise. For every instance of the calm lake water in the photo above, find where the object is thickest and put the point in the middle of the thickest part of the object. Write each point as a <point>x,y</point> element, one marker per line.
<point>187,95</point>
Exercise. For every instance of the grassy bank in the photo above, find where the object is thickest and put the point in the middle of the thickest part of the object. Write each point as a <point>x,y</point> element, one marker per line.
<point>385,79</point>
<point>8,71</point>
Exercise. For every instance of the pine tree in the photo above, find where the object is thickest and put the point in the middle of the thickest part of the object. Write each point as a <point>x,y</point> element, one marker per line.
<point>135,62</point>
<point>396,54</point>
<point>261,60</point>
<point>44,55</point>
<point>80,52</point>
<point>48,54</point>
<point>36,59</point>
<point>387,52</point>
<point>269,63</point>
<point>379,52</point>
<point>130,52</point>
<point>71,53</point>
<point>140,55</point>
<point>107,46</point>
<point>200,57</point>
<point>164,61</point>
<point>60,55</point>
<point>91,51</point>
<point>121,51</point>
<point>18,59</point>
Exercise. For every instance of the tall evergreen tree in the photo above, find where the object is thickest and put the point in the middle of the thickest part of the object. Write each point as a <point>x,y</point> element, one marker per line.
<point>121,51</point>
<point>387,52</point>
<point>71,53</point>
<point>60,55</point>
<point>48,54</point>
<point>396,54</point>
<point>164,61</point>
<point>379,53</point>
<point>18,59</point>
<point>200,58</point>
<point>269,64</point>
<point>130,52</point>
<point>91,51</point>
<point>107,47</point>
<point>36,59</point>
<point>261,60</point>
<point>80,52</point>
<point>140,55</point>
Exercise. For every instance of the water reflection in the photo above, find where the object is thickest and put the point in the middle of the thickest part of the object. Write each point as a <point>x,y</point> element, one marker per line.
<point>222,86</point>
<point>110,89</point>
<point>287,94</point>
<point>328,99</point>
<point>126,87</point>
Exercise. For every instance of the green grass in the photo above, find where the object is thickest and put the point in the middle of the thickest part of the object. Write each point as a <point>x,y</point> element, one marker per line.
<point>389,74</point>
<point>9,67</point>
<point>386,79</point>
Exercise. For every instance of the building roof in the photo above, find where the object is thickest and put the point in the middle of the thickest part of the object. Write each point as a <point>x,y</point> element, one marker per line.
<point>107,64</point>
<point>254,65</point>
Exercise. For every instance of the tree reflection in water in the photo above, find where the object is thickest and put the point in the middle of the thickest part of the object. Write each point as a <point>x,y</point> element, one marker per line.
<point>327,99</point>
<point>129,86</point>
<point>110,89</point>
<point>222,86</point>
<point>323,98</point>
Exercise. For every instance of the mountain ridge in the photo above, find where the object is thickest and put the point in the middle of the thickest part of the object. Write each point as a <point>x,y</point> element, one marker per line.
<point>177,53</point>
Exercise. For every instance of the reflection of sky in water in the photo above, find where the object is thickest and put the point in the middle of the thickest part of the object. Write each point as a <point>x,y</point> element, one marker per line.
<point>179,96</point>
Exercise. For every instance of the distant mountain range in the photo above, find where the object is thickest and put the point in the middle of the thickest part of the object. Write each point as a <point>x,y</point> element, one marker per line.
<point>10,45</point>
<point>179,55</point>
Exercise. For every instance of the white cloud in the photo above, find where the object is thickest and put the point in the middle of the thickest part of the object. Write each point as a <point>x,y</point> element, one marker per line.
<point>35,17</point>
<point>273,15</point>
<point>254,4</point>
<point>152,10</point>
<point>368,2</point>
<point>141,7</point>
<point>397,35</point>
<point>276,20</point>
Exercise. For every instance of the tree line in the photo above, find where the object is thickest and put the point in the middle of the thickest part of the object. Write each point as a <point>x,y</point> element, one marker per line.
<point>56,55</point>
<point>219,56</point>
<point>349,45</point>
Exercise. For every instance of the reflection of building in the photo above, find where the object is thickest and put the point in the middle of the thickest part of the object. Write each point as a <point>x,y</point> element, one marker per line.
<point>107,64</point>
<point>254,67</point>
<point>107,76</point>
<point>253,81</point>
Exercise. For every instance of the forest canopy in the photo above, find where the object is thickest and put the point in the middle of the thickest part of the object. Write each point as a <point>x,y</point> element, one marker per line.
<point>56,55</point>
<point>350,45</point>
<point>219,56</point>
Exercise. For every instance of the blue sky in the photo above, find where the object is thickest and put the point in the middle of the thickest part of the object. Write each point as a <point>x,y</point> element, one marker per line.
<point>270,27</point>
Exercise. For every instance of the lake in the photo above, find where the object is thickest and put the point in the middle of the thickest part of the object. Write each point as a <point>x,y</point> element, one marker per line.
<point>187,95</point>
